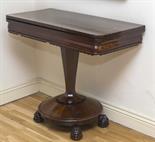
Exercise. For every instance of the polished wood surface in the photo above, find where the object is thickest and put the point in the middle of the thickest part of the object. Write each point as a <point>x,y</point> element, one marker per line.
<point>75,22</point>
<point>70,63</point>
<point>88,34</point>
<point>81,113</point>
<point>16,125</point>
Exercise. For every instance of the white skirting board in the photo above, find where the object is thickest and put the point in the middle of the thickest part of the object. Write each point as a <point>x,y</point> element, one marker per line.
<point>116,114</point>
<point>17,92</point>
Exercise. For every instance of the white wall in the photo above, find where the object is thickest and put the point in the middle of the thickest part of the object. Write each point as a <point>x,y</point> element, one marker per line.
<point>123,79</point>
<point>17,60</point>
<point>0,47</point>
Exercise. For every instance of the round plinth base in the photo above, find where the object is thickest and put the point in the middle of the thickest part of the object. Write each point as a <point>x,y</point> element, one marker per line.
<point>70,111</point>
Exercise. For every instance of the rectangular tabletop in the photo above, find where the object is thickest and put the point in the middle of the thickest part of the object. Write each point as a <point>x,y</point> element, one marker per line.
<point>88,34</point>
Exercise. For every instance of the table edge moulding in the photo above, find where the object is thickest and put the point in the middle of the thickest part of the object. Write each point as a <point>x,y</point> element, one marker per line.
<point>74,33</point>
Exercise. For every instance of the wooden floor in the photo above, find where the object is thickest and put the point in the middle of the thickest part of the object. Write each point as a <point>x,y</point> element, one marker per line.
<point>16,125</point>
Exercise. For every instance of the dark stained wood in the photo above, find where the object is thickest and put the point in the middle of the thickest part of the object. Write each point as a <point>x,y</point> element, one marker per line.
<point>82,113</point>
<point>74,33</point>
<point>70,62</point>
<point>74,22</point>
<point>88,34</point>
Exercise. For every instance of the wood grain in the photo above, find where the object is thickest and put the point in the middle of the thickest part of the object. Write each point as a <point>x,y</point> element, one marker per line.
<point>16,125</point>
<point>84,33</point>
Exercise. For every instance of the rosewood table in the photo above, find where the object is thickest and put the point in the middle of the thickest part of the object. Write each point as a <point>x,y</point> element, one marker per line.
<point>74,33</point>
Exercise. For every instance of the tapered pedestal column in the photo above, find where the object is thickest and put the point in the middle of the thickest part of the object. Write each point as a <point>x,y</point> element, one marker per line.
<point>71,108</point>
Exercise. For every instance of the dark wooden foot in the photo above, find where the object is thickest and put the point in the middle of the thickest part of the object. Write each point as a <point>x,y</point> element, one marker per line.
<point>76,133</point>
<point>103,121</point>
<point>37,117</point>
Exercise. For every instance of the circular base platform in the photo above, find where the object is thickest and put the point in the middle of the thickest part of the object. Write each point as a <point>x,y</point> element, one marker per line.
<point>70,111</point>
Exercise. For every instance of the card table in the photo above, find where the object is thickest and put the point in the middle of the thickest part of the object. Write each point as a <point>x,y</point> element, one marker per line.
<point>74,33</point>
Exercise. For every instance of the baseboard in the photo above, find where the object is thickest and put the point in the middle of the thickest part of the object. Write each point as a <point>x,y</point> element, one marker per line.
<point>17,92</point>
<point>49,88</point>
<point>116,114</point>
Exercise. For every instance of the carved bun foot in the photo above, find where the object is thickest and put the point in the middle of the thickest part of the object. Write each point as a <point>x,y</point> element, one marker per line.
<point>103,121</point>
<point>37,117</point>
<point>76,133</point>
